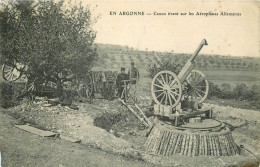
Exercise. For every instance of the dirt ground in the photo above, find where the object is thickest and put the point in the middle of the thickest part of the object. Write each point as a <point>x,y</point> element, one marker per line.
<point>23,149</point>
<point>109,126</point>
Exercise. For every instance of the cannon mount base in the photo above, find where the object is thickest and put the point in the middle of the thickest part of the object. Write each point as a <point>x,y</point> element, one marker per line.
<point>167,140</point>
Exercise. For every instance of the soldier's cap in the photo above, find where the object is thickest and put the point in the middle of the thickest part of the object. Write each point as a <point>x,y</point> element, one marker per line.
<point>122,69</point>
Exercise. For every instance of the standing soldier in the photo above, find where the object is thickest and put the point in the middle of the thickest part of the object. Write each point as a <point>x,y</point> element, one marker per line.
<point>104,85</point>
<point>133,73</point>
<point>120,82</point>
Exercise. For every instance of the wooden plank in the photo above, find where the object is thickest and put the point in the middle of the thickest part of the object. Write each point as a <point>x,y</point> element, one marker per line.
<point>169,146</point>
<point>219,146</point>
<point>206,145</point>
<point>135,113</point>
<point>36,131</point>
<point>187,144</point>
<point>142,113</point>
<point>198,146</point>
<point>175,137</point>
<point>184,144</point>
<point>70,139</point>
<point>190,145</point>
<point>176,144</point>
<point>201,145</point>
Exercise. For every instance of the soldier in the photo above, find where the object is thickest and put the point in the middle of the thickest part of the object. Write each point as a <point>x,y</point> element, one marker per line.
<point>133,73</point>
<point>120,82</point>
<point>104,85</point>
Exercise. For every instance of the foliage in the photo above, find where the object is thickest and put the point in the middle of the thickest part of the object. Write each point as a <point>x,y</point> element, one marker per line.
<point>226,91</point>
<point>225,87</point>
<point>53,39</point>
<point>254,93</point>
<point>214,90</point>
<point>166,63</point>
<point>10,94</point>
<point>240,92</point>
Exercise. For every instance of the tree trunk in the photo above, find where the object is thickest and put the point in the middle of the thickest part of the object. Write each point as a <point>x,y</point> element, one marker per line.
<point>59,91</point>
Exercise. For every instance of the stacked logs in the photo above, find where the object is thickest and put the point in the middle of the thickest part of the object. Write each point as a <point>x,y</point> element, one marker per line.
<point>166,140</point>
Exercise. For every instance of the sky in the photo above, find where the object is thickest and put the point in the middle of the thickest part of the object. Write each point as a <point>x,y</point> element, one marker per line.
<point>226,35</point>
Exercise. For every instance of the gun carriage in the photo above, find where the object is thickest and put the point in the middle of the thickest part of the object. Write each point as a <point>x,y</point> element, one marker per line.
<point>182,125</point>
<point>182,95</point>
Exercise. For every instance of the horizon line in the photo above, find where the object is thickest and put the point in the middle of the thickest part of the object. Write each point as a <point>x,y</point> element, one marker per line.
<point>149,50</point>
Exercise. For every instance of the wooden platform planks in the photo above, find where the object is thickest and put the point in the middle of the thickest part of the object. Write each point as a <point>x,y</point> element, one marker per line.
<point>166,141</point>
<point>36,131</point>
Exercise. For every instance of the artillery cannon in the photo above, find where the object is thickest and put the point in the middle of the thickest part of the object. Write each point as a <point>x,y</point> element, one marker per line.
<point>174,93</point>
<point>182,125</point>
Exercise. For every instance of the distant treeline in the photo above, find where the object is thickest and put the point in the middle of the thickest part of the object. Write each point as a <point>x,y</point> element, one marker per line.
<point>111,55</point>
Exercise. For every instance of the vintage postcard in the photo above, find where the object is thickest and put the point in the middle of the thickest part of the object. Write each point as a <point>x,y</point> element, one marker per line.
<point>129,83</point>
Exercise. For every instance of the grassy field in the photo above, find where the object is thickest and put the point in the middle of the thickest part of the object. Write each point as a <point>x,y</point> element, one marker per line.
<point>233,77</point>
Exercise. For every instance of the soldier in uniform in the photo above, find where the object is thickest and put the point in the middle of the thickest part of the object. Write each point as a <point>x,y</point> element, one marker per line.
<point>133,73</point>
<point>120,82</point>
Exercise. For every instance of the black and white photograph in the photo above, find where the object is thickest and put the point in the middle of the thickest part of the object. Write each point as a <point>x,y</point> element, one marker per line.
<point>91,83</point>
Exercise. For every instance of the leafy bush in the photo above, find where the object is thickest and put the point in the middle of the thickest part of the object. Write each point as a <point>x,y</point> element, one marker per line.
<point>166,64</point>
<point>225,91</point>
<point>214,90</point>
<point>255,91</point>
<point>225,87</point>
<point>240,92</point>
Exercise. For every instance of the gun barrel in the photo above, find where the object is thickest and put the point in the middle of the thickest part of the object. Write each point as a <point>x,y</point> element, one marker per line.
<point>203,42</point>
<point>189,66</point>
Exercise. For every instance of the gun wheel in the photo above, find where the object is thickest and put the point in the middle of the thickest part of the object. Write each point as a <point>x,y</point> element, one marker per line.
<point>166,88</point>
<point>197,86</point>
<point>12,72</point>
<point>86,87</point>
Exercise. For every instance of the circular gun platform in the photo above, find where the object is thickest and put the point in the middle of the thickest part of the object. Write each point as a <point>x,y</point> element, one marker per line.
<point>205,124</point>
<point>192,139</point>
